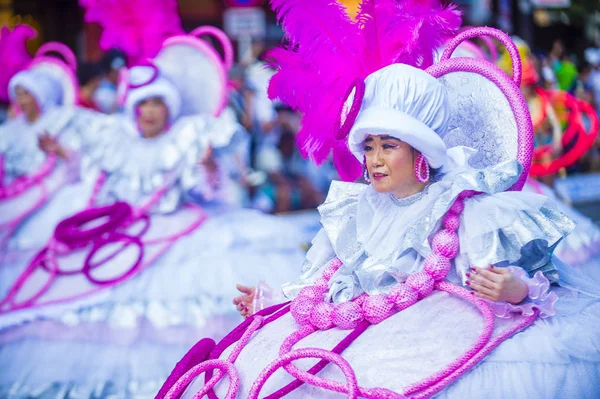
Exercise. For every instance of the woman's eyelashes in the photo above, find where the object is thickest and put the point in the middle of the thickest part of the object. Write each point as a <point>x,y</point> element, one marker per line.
<point>384,146</point>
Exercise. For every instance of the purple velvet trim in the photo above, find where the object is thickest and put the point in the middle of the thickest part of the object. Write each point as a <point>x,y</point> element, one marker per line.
<point>345,122</point>
<point>69,233</point>
<point>194,356</point>
<point>339,348</point>
<point>116,237</point>
<point>540,297</point>
<point>275,312</point>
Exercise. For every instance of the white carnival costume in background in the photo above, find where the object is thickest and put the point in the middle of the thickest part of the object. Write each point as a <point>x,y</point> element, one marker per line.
<point>52,83</point>
<point>124,340</point>
<point>581,248</point>
<point>371,267</point>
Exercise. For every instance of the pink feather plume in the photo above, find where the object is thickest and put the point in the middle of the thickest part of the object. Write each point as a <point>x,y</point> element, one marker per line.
<point>136,27</point>
<point>326,51</point>
<point>321,39</point>
<point>14,54</point>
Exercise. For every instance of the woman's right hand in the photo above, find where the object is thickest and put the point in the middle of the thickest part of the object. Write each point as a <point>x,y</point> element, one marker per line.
<point>244,302</point>
<point>50,145</point>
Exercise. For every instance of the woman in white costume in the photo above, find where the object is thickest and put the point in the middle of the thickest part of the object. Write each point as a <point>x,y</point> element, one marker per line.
<point>441,236</point>
<point>43,149</point>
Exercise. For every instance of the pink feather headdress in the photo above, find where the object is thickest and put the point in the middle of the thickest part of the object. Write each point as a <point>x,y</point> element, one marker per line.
<point>326,51</point>
<point>14,54</point>
<point>136,27</point>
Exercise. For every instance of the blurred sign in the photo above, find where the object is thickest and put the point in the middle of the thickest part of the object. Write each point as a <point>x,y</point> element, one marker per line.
<point>243,3</point>
<point>551,3</point>
<point>245,22</point>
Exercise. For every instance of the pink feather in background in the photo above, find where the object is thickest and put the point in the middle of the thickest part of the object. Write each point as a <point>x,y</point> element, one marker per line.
<point>325,51</point>
<point>14,54</point>
<point>136,27</point>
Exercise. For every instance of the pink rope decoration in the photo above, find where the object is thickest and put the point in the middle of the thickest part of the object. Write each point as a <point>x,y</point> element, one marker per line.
<point>222,38</point>
<point>352,388</point>
<point>223,367</point>
<point>490,32</point>
<point>493,51</point>
<point>18,187</point>
<point>24,183</point>
<point>69,236</point>
<point>59,48</point>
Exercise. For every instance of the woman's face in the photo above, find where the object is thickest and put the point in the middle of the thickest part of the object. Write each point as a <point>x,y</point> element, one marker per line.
<point>27,104</point>
<point>153,115</point>
<point>391,165</point>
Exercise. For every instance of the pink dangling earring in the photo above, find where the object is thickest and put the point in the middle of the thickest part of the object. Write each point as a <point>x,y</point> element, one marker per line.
<point>422,169</point>
<point>366,172</point>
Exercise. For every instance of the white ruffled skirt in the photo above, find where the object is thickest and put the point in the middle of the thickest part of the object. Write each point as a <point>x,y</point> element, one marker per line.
<point>124,341</point>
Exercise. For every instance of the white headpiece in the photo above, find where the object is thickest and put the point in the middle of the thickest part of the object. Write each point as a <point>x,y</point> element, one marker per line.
<point>146,82</point>
<point>46,90</point>
<point>406,103</point>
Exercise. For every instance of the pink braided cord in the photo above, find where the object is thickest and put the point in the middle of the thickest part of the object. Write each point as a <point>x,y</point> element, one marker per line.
<point>489,32</point>
<point>222,367</point>
<point>222,38</point>
<point>352,388</point>
<point>24,183</point>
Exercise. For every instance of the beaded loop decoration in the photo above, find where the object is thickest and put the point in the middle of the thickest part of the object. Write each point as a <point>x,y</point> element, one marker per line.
<point>366,172</point>
<point>422,171</point>
<point>347,115</point>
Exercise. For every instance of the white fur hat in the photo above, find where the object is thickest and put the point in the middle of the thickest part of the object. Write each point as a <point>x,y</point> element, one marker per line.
<point>406,103</point>
<point>146,82</point>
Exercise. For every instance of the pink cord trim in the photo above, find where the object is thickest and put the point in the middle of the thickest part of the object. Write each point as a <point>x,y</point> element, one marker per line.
<point>61,49</point>
<point>47,258</point>
<point>23,183</point>
<point>221,37</point>
<point>222,367</point>
<point>351,390</point>
<point>11,226</point>
<point>489,32</point>
<point>493,56</point>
